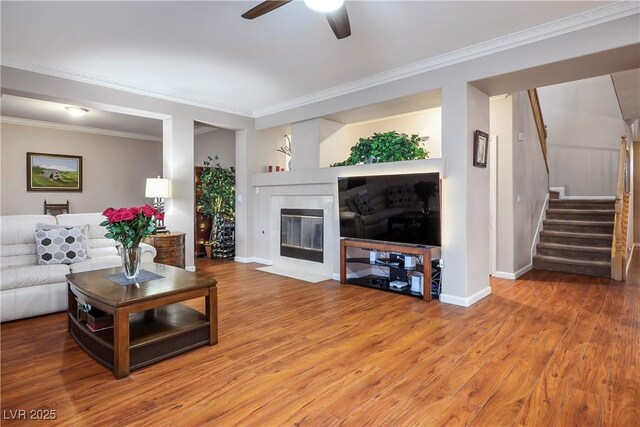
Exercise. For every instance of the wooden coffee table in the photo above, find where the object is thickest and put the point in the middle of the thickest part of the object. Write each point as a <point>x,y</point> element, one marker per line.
<point>149,322</point>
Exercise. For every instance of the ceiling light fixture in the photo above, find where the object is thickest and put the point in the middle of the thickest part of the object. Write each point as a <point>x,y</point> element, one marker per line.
<point>77,111</point>
<point>324,5</point>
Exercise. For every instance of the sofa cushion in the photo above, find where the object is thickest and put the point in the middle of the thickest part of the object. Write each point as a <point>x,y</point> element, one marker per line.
<point>96,263</point>
<point>61,245</point>
<point>96,231</point>
<point>32,275</point>
<point>363,203</point>
<point>18,229</point>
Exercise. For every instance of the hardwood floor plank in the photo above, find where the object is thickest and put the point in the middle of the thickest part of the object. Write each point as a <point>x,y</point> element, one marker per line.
<point>546,349</point>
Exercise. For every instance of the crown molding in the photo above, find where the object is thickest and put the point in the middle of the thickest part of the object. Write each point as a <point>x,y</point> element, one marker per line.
<point>545,31</point>
<point>94,79</point>
<point>75,128</point>
<point>548,30</point>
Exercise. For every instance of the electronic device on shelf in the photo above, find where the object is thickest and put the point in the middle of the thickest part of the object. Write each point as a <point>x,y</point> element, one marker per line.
<point>398,284</point>
<point>388,262</point>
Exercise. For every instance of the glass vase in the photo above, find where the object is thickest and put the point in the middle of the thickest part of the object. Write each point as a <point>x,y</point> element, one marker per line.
<point>131,258</point>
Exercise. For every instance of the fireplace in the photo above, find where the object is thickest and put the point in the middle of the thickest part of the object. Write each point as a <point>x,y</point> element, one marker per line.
<point>302,234</point>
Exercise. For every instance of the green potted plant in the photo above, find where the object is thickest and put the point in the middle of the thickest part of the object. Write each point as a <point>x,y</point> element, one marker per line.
<point>217,201</point>
<point>385,147</point>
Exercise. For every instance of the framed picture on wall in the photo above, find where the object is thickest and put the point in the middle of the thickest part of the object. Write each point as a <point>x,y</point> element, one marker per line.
<point>54,172</point>
<point>480,148</point>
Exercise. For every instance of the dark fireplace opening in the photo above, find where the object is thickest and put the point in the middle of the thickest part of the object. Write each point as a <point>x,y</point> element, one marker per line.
<point>302,234</point>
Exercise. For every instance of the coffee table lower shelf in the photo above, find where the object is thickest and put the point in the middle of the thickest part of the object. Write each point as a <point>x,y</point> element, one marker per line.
<point>153,335</point>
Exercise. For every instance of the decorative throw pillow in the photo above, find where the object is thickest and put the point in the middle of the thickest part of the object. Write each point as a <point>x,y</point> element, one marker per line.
<point>401,196</point>
<point>363,203</point>
<point>61,245</point>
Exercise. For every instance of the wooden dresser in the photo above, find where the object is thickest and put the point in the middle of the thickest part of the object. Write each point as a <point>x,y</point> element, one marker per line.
<point>170,248</point>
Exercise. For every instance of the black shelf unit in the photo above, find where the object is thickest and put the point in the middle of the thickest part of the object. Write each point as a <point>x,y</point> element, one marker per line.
<point>396,266</point>
<point>373,281</point>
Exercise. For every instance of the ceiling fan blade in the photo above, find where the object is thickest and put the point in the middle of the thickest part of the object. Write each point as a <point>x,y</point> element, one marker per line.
<point>339,22</point>
<point>264,7</point>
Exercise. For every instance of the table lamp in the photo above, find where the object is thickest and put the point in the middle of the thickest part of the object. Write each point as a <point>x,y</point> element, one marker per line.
<point>158,188</point>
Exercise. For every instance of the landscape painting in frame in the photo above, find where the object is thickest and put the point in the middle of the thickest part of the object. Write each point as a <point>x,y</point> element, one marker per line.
<point>54,172</point>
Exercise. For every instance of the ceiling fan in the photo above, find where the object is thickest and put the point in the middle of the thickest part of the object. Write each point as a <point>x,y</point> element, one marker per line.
<point>335,11</point>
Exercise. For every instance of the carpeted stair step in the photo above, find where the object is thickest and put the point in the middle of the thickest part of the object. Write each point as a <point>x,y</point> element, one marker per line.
<point>567,265</point>
<point>574,252</point>
<point>602,240</point>
<point>582,214</point>
<point>600,227</point>
<point>582,204</point>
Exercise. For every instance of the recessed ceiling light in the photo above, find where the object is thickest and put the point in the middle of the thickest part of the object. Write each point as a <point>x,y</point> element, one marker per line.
<point>324,5</point>
<point>77,111</point>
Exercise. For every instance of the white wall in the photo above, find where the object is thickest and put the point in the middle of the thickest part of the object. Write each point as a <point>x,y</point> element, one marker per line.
<point>114,169</point>
<point>584,126</point>
<point>501,117</point>
<point>220,142</point>
<point>427,122</point>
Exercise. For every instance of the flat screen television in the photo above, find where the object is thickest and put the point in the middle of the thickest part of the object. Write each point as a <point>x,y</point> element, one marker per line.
<point>392,208</point>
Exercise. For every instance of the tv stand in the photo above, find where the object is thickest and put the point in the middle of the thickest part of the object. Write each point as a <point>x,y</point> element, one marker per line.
<point>396,268</point>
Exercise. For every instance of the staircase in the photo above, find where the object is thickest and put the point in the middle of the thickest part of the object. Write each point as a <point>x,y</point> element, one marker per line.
<point>576,237</point>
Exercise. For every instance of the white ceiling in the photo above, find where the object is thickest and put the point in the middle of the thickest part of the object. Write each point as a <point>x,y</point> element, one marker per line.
<point>37,112</point>
<point>45,111</point>
<point>205,53</point>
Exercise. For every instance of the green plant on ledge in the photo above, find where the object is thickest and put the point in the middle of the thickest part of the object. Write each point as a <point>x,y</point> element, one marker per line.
<point>218,201</point>
<point>385,147</point>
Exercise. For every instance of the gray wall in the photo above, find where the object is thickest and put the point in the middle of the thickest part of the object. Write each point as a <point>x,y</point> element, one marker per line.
<point>219,142</point>
<point>522,183</point>
<point>114,169</point>
<point>584,126</point>
<point>530,181</point>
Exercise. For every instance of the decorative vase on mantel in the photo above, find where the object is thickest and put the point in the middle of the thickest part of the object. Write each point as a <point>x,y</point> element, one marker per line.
<point>131,258</point>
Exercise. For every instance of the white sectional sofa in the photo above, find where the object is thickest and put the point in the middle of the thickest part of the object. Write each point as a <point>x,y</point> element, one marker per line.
<point>28,289</point>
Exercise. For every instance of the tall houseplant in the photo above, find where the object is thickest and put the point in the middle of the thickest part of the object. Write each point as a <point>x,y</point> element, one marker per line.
<point>218,202</point>
<point>385,147</point>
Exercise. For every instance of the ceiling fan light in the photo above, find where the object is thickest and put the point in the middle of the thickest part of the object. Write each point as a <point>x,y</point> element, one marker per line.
<point>77,111</point>
<point>324,5</point>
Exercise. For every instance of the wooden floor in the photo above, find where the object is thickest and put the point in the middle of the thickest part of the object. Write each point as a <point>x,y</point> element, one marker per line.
<point>548,349</point>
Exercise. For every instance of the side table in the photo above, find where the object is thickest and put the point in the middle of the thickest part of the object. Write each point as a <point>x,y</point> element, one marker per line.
<point>170,248</point>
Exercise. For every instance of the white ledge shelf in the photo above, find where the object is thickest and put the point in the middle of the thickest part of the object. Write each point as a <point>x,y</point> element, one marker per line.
<point>330,175</point>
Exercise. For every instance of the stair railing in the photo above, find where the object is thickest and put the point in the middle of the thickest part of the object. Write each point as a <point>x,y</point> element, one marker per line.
<point>540,126</point>
<point>619,242</point>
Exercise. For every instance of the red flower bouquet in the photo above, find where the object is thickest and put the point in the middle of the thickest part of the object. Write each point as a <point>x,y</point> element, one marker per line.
<point>130,225</point>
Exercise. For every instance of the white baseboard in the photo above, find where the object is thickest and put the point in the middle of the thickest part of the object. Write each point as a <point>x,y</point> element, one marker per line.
<point>629,261</point>
<point>468,301</point>
<point>335,276</point>
<point>190,268</point>
<point>524,269</point>
<point>589,197</point>
<point>513,276</point>
<point>504,275</point>
<point>559,190</point>
<point>536,239</point>
<point>248,260</point>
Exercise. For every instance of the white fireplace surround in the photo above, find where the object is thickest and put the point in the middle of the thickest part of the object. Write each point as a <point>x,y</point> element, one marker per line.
<point>322,202</point>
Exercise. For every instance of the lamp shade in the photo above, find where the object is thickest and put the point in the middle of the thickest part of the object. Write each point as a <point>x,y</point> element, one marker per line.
<point>158,187</point>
